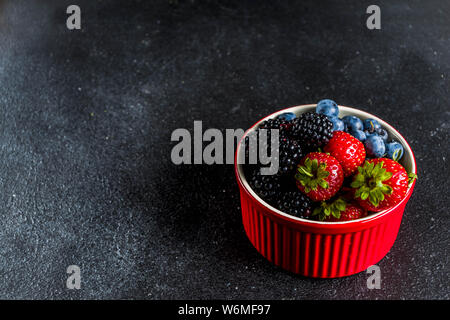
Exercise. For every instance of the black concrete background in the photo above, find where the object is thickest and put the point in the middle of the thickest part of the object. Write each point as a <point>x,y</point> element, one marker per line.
<point>86,119</point>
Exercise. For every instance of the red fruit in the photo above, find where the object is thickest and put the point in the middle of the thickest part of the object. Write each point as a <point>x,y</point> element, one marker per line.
<point>380,184</point>
<point>339,210</point>
<point>348,150</point>
<point>319,176</point>
<point>352,211</point>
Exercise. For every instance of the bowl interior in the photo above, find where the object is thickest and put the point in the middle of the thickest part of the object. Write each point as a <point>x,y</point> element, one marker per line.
<point>407,161</point>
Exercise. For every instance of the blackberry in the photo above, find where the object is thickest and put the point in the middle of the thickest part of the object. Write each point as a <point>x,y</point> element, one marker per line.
<point>312,130</point>
<point>290,153</point>
<point>268,187</point>
<point>284,126</point>
<point>265,139</point>
<point>295,203</point>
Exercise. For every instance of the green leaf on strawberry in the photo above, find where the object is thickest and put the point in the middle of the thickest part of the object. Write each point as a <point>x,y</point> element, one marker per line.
<point>326,209</point>
<point>369,183</point>
<point>311,175</point>
<point>411,177</point>
<point>319,176</point>
<point>338,210</point>
<point>397,154</point>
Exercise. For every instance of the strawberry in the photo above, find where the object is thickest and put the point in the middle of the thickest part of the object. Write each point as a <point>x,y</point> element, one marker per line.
<point>339,210</point>
<point>319,176</point>
<point>348,150</point>
<point>380,184</point>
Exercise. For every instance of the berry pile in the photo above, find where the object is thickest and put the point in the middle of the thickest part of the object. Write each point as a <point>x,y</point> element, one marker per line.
<point>356,173</point>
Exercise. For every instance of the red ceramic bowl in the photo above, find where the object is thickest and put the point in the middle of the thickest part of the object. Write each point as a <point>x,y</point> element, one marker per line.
<point>315,248</point>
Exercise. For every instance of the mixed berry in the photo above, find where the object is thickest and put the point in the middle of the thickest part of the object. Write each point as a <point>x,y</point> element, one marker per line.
<point>331,168</point>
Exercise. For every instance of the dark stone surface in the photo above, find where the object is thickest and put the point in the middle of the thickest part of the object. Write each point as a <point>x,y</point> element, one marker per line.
<point>86,119</point>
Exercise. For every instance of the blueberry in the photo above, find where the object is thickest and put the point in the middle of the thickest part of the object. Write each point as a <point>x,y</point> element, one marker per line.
<point>327,107</point>
<point>371,125</point>
<point>383,134</point>
<point>287,116</point>
<point>394,150</point>
<point>353,123</point>
<point>359,134</point>
<point>338,124</point>
<point>368,134</point>
<point>346,129</point>
<point>375,146</point>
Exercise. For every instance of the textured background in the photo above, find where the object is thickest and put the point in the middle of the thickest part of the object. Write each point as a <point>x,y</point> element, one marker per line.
<point>86,118</point>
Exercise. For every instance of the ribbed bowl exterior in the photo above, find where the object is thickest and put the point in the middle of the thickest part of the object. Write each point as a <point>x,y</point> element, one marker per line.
<point>320,249</point>
<point>318,253</point>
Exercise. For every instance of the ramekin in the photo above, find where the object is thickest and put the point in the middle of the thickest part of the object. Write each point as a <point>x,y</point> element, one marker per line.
<point>321,249</point>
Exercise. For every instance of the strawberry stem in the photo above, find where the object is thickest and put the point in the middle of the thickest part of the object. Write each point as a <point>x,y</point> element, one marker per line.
<point>411,177</point>
<point>333,208</point>
<point>369,183</point>
<point>312,175</point>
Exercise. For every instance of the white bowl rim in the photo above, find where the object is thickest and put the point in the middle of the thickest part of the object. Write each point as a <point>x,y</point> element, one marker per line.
<point>357,112</point>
